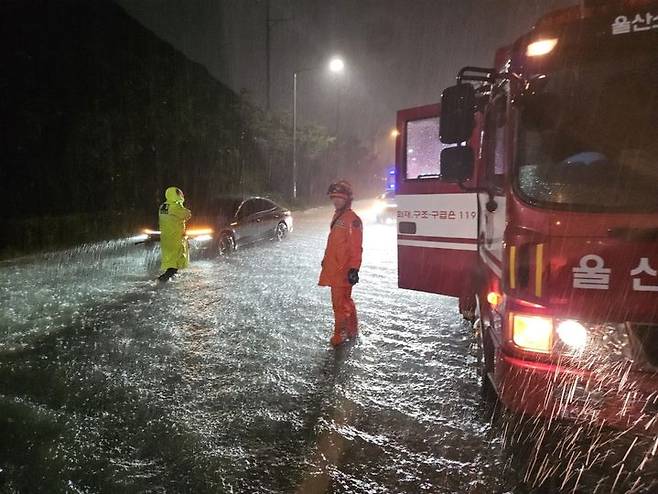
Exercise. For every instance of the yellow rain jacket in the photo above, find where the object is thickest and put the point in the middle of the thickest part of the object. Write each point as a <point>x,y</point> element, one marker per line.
<point>172,218</point>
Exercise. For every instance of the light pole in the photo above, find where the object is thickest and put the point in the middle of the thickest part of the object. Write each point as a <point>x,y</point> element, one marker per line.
<point>337,66</point>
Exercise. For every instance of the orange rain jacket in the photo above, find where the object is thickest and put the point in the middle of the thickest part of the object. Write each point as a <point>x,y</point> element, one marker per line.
<point>344,249</point>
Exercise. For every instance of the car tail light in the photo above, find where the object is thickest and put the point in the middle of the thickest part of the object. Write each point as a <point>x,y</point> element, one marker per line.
<point>533,333</point>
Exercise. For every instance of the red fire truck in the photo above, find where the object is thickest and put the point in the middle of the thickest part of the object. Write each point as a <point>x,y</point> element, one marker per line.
<point>531,193</point>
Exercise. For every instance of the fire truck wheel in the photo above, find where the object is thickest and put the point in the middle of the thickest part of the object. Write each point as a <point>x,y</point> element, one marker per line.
<point>468,307</point>
<point>486,360</point>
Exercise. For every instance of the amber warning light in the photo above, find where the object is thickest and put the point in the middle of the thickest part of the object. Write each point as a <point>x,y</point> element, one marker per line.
<point>494,298</point>
<point>534,333</point>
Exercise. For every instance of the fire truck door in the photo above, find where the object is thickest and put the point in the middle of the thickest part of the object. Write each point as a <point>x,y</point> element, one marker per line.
<point>437,221</point>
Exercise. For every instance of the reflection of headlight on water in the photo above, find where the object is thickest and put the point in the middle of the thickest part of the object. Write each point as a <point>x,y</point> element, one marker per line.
<point>139,238</point>
<point>202,238</point>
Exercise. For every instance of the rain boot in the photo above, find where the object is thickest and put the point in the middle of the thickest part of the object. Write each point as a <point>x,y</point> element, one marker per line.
<point>167,275</point>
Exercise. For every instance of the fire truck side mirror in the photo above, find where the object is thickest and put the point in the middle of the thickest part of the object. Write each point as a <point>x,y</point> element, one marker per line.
<point>457,114</point>
<point>457,164</point>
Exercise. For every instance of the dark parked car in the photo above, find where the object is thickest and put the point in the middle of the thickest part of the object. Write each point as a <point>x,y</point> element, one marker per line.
<point>240,222</point>
<point>228,223</point>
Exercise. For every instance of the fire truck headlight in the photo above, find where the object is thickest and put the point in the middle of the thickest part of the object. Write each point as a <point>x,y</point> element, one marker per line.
<point>572,333</point>
<point>541,47</point>
<point>533,333</point>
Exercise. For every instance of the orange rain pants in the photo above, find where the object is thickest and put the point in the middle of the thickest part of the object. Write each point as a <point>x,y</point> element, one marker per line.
<point>346,324</point>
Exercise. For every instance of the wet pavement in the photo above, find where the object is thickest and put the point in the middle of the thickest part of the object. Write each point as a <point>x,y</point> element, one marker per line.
<point>223,381</point>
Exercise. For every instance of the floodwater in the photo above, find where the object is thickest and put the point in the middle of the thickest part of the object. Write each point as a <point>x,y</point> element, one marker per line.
<point>223,381</point>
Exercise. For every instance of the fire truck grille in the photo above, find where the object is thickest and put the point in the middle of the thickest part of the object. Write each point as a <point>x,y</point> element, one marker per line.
<point>618,348</point>
<point>611,347</point>
<point>646,336</point>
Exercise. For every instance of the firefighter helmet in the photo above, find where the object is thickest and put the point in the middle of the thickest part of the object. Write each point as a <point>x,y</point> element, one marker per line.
<point>342,188</point>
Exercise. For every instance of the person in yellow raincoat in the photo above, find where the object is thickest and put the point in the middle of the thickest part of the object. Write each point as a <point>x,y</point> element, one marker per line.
<point>173,244</point>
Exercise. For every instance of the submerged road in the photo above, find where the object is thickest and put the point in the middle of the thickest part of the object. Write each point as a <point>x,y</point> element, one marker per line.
<point>223,381</point>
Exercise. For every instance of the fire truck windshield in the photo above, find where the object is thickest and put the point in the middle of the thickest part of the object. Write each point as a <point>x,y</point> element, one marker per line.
<point>588,137</point>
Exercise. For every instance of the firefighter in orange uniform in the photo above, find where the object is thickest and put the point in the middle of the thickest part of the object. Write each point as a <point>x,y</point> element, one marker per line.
<point>342,261</point>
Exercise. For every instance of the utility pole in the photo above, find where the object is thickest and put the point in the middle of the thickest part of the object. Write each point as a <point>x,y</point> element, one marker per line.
<point>338,94</point>
<point>268,29</point>
<point>294,135</point>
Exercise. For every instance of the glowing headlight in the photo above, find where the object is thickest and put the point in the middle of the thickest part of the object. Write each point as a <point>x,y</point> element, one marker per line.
<point>572,334</point>
<point>198,232</point>
<point>379,206</point>
<point>541,47</point>
<point>533,333</point>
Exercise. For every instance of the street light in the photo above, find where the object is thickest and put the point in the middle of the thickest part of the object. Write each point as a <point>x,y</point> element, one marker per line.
<point>337,66</point>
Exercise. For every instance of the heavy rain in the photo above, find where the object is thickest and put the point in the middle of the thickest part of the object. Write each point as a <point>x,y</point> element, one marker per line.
<point>354,246</point>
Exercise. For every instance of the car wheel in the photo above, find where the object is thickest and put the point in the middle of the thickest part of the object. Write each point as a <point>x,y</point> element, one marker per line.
<point>225,245</point>
<point>281,231</point>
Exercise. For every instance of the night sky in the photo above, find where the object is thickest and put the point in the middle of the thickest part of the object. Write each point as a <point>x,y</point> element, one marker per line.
<point>399,53</point>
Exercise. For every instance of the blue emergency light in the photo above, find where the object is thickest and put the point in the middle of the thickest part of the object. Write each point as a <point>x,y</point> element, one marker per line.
<point>390,178</point>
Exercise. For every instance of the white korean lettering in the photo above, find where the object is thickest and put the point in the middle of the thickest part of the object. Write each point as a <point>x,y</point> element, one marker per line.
<point>621,25</point>
<point>643,267</point>
<point>641,22</point>
<point>591,273</point>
